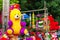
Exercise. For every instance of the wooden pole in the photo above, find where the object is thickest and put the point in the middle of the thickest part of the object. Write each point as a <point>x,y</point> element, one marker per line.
<point>5,14</point>
<point>34,10</point>
<point>45,16</point>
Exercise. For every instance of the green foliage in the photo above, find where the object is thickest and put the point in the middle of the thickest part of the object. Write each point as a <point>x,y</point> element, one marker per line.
<point>52,5</point>
<point>0,4</point>
<point>11,2</point>
<point>14,1</point>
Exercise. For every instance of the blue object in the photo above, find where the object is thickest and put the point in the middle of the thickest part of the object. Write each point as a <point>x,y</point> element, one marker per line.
<point>25,16</point>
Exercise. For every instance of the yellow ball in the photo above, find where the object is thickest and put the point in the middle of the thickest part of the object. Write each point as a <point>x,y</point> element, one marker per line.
<point>9,31</point>
<point>25,32</point>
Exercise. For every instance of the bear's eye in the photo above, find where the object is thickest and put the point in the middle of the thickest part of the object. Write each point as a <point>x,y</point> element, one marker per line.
<point>16,16</point>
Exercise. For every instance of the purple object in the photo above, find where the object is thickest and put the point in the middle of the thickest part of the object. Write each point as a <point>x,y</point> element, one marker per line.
<point>22,31</point>
<point>29,38</point>
<point>10,23</point>
<point>12,7</point>
<point>23,23</point>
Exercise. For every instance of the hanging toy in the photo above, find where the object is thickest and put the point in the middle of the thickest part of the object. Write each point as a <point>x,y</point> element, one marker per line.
<point>24,16</point>
<point>54,36</point>
<point>39,24</point>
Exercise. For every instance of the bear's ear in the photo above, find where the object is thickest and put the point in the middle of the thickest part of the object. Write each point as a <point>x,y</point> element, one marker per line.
<point>14,6</point>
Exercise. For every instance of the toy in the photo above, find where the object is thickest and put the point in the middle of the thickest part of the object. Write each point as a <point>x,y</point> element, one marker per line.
<point>39,24</point>
<point>14,23</point>
<point>33,23</point>
<point>24,16</point>
<point>54,36</point>
<point>14,6</point>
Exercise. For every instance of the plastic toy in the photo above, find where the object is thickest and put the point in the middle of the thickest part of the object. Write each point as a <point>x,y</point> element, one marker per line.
<point>14,23</point>
<point>24,16</point>
<point>39,24</point>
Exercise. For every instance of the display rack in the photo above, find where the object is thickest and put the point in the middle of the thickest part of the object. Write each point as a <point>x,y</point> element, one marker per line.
<point>5,13</point>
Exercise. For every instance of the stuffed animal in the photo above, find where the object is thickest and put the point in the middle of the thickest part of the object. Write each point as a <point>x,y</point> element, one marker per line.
<point>14,23</point>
